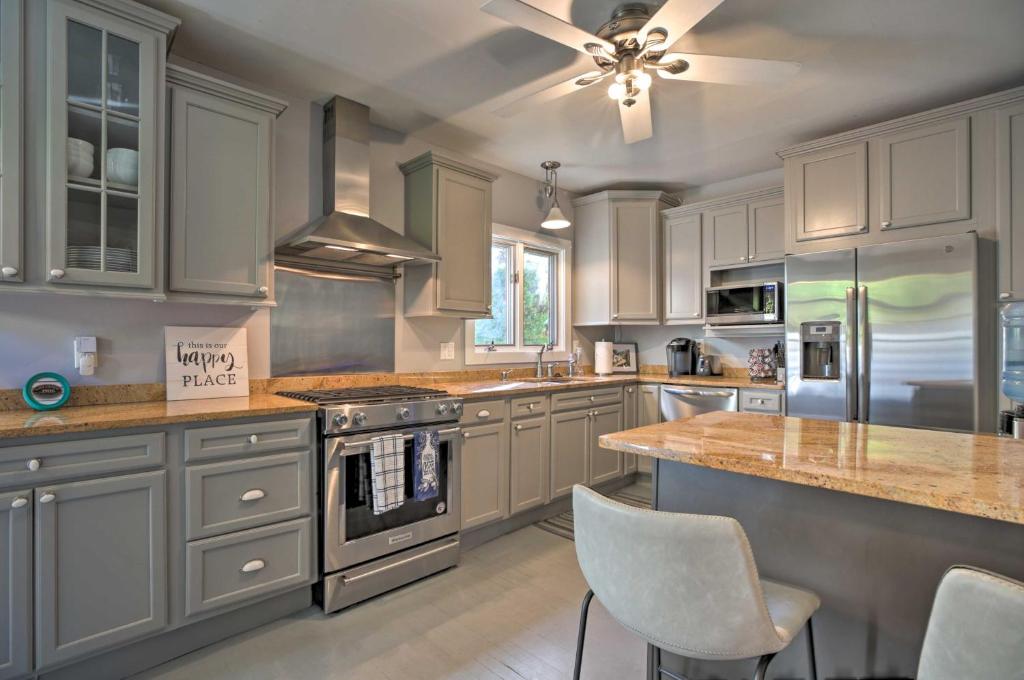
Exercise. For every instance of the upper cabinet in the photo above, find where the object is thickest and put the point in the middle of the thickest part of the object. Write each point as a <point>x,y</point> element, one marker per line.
<point>221,187</point>
<point>617,269</point>
<point>766,223</point>
<point>1010,200</point>
<point>828,192</point>
<point>105,137</point>
<point>11,133</point>
<point>726,231</point>
<point>684,273</point>
<point>448,209</point>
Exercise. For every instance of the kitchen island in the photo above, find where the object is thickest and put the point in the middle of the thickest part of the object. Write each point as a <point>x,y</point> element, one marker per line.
<point>867,516</point>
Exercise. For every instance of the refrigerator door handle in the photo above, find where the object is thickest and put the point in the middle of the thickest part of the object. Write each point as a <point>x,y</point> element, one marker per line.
<point>851,354</point>
<point>862,354</point>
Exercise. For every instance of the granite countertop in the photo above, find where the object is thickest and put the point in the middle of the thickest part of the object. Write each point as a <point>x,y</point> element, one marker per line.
<point>26,423</point>
<point>980,475</point>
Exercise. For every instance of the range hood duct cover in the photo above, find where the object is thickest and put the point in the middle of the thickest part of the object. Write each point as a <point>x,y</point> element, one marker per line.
<point>346,235</point>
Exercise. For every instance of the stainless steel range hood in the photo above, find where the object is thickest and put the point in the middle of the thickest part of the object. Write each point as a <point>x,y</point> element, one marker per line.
<point>346,238</point>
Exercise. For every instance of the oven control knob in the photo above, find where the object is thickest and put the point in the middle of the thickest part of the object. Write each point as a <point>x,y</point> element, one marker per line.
<point>442,408</point>
<point>457,408</point>
<point>340,420</point>
<point>359,418</point>
<point>403,413</point>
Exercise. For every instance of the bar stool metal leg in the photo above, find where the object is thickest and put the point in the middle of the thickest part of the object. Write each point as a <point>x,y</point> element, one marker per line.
<point>761,672</point>
<point>582,634</point>
<point>811,659</point>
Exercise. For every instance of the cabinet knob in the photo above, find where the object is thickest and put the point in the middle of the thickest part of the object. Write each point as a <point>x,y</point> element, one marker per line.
<point>253,565</point>
<point>262,290</point>
<point>253,439</point>
<point>56,273</point>
<point>33,464</point>
<point>9,271</point>
<point>743,259</point>
<point>19,502</point>
<point>518,427</point>
<point>531,406</point>
<point>47,497</point>
<point>253,495</point>
<point>465,435</point>
<point>886,224</point>
<point>696,314</point>
<point>593,398</point>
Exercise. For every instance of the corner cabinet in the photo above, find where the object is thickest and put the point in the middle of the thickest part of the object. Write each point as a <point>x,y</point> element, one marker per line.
<point>617,268</point>
<point>105,116</point>
<point>221,187</point>
<point>448,210</point>
<point>12,28</point>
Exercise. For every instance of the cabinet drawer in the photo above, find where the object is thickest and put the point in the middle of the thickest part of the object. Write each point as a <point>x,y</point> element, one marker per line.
<point>763,401</point>
<point>222,441</point>
<point>47,462</point>
<point>479,412</point>
<point>223,497</point>
<point>247,565</point>
<point>572,400</point>
<point>529,406</point>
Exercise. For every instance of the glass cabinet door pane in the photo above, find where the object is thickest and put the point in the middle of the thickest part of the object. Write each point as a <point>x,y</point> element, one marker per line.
<point>84,150</point>
<point>122,253</point>
<point>84,230</point>
<point>85,64</point>
<point>122,157</point>
<point>122,75</point>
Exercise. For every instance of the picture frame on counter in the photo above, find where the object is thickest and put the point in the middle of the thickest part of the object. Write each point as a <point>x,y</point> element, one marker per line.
<point>206,363</point>
<point>625,357</point>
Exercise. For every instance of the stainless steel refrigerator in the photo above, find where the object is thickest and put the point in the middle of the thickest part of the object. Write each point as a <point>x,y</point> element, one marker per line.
<point>885,334</point>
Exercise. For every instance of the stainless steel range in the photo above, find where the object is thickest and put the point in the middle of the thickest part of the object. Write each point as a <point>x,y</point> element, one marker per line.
<point>363,554</point>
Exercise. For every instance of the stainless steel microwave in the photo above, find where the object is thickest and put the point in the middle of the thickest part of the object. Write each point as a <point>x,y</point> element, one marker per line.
<point>744,303</point>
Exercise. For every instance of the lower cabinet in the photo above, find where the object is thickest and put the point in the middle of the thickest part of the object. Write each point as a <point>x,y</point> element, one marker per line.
<point>485,474</point>
<point>531,463</point>
<point>605,465</point>
<point>570,439</point>
<point>16,585</point>
<point>630,420</point>
<point>101,564</point>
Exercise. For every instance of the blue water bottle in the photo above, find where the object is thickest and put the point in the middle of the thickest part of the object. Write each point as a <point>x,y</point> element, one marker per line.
<point>1013,351</point>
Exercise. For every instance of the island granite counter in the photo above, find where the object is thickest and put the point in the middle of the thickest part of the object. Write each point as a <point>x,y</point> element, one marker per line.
<point>867,516</point>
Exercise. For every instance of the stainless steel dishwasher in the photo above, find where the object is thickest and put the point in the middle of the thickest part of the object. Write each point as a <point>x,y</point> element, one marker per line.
<point>686,402</point>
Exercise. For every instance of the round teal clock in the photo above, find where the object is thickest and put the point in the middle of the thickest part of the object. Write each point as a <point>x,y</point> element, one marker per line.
<point>46,391</point>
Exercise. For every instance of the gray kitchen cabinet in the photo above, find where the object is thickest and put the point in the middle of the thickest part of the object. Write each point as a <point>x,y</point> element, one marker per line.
<point>827,192</point>
<point>101,564</point>
<point>725,236</point>
<point>448,209</point>
<point>604,465</point>
<point>221,187</point>
<point>11,134</point>
<point>570,442</point>
<point>648,413</point>
<point>1010,200</point>
<point>771,402</point>
<point>105,133</point>
<point>15,583</point>
<point>684,271</point>
<point>766,238</point>
<point>630,416</point>
<point>617,257</point>
<point>530,455</point>
<point>924,174</point>
<point>485,474</point>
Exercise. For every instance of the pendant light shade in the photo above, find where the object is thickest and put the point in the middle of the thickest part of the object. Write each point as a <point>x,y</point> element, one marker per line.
<point>556,218</point>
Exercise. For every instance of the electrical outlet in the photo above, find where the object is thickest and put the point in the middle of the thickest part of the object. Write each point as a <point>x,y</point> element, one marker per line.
<point>447,351</point>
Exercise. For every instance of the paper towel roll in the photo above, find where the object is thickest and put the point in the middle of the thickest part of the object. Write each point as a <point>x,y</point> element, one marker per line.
<point>603,358</point>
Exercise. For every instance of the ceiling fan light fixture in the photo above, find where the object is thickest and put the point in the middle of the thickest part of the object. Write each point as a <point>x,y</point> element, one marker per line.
<point>555,218</point>
<point>642,81</point>
<point>617,90</point>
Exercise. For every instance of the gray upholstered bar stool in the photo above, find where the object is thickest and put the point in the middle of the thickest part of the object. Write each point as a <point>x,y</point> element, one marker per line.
<point>976,629</point>
<point>686,584</point>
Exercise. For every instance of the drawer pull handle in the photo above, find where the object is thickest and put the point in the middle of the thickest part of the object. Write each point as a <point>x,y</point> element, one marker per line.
<point>483,413</point>
<point>47,498</point>
<point>33,464</point>
<point>9,271</point>
<point>253,565</point>
<point>253,495</point>
<point>253,439</point>
<point>19,502</point>
<point>56,273</point>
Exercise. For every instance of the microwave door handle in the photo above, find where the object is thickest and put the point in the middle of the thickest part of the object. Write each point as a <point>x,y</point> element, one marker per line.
<point>851,354</point>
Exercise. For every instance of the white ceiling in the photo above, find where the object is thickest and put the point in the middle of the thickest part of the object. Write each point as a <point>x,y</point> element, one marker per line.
<point>439,68</point>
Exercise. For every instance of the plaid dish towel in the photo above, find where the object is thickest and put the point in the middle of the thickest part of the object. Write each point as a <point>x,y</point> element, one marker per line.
<point>425,446</point>
<point>387,462</point>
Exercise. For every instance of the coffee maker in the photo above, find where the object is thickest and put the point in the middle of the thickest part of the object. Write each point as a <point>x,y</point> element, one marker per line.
<point>682,357</point>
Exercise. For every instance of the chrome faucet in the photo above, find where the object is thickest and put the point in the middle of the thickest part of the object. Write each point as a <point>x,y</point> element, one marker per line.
<point>571,367</point>
<point>540,359</point>
<point>505,374</point>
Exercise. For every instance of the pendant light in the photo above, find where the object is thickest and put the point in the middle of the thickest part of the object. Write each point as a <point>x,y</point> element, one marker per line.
<point>555,219</point>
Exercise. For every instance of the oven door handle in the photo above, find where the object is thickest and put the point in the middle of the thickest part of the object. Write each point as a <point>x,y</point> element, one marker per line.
<point>346,447</point>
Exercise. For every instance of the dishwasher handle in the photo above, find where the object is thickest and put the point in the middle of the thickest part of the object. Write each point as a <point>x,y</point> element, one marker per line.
<point>697,393</point>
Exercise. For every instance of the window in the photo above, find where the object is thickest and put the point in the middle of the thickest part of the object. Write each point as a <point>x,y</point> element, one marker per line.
<point>529,299</point>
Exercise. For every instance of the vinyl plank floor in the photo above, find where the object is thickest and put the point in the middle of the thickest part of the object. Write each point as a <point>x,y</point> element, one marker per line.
<point>508,612</point>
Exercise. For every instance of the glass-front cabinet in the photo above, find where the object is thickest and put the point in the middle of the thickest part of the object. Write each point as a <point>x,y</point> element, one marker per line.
<point>105,126</point>
<point>11,32</point>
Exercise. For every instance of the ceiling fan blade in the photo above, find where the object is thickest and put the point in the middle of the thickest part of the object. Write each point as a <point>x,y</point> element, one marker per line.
<point>727,70</point>
<point>636,119</point>
<point>550,93</point>
<point>527,16</point>
<point>676,17</point>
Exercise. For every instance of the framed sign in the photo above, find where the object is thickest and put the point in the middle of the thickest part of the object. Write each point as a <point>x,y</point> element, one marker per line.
<point>624,358</point>
<point>204,363</point>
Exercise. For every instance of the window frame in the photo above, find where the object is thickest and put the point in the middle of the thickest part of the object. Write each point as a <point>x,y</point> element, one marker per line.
<point>523,240</point>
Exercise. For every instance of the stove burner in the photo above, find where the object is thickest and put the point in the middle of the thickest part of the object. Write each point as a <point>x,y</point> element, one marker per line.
<point>362,395</point>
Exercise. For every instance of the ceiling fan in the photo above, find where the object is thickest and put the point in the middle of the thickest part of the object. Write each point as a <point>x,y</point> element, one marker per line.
<point>633,43</point>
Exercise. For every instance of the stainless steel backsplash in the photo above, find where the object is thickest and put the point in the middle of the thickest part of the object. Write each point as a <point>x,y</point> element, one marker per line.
<point>325,324</point>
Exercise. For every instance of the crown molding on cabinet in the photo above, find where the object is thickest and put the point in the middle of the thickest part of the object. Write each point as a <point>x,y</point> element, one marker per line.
<point>179,75</point>
<point>989,101</point>
<point>627,194</point>
<point>434,158</point>
<point>723,201</point>
<point>139,14</point>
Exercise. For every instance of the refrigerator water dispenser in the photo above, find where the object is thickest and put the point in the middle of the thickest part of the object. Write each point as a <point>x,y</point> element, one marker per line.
<point>819,350</point>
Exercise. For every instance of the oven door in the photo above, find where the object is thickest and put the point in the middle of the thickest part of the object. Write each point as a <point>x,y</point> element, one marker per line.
<point>743,304</point>
<point>352,534</point>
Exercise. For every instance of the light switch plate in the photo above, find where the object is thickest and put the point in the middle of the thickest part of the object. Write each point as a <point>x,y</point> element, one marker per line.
<point>447,351</point>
